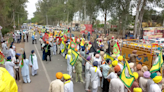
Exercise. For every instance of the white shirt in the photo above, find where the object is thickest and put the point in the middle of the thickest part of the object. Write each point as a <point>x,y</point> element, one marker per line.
<point>9,67</point>
<point>154,88</point>
<point>95,75</point>
<point>68,87</point>
<point>35,62</point>
<point>121,66</point>
<point>17,65</point>
<point>111,75</point>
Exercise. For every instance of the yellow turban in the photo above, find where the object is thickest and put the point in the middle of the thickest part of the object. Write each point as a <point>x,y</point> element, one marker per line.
<point>113,55</point>
<point>120,58</point>
<point>59,75</point>
<point>157,79</point>
<point>135,74</point>
<point>66,76</point>
<point>137,90</point>
<point>115,62</point>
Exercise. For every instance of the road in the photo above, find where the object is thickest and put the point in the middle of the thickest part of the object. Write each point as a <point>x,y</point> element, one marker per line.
<point>47,71</point>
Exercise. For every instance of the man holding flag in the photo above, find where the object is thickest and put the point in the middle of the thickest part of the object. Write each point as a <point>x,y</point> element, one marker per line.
<point>24,64</point>
<point>33,63</point>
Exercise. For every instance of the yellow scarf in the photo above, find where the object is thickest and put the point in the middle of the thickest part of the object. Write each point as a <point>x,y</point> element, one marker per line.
<point>66,56</point>
<point>95,69</point>
<point>67,82</point>
<point>121,63</point>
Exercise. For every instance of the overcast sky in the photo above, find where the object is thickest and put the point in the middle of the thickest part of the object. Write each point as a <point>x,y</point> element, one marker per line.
<point>31,8</point>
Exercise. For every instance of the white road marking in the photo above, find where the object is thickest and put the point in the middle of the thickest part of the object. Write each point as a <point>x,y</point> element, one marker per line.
<point>45,70</point>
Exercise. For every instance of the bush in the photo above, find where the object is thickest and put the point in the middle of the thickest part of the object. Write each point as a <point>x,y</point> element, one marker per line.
<point>5,31</point>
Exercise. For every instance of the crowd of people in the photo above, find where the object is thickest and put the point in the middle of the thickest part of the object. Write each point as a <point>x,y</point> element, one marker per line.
<point>91,63</point>
<point>97,70</point>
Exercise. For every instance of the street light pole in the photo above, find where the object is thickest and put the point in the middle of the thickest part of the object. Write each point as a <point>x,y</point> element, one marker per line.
<point>14,18</point>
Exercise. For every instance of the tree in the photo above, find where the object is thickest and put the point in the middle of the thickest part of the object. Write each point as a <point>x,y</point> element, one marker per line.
<point>140,10</point>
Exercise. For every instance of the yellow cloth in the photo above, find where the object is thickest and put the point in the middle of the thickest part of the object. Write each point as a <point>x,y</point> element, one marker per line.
<point>115,62</point>
<point>66,76</point>
<point>120,58</point>
<point>157,79</point>
<point>59,75</point>
<point>82,42</point>
<point>95,69</point>
<point>67,82</point>
<point>135,74</point>
<point>107,56</point>
<point>68,53</point>
<point>7,82</point>
<point>137,90</point>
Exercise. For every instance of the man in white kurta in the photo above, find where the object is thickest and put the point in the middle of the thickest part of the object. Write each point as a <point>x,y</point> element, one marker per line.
<point>4,48</point>
<point>25,70</point>
<point>61,47</point>
<point>69,67</point>
<point>33,63</point>
<point>9,66</point>
<point>11,52</point>
<point>87,73</point>
<point>116,85</point>
<point>95,76</point>
<point>54,47</point>
<point>68,85</point>
<point>155,87</point>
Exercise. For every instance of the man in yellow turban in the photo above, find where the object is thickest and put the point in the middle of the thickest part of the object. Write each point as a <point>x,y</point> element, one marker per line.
<point>154,87</point>
<point>120,62</point>
<point>68,85</point>
<point>69,66</point>
<point>57,85</point>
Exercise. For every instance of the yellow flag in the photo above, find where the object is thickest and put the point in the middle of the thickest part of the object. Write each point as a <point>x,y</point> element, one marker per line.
<point>7,82</point>
<point>107,56</point>
<point>82,42</point>
<point>158,65</point>
<point>128,81</point>
<point>74,56</point>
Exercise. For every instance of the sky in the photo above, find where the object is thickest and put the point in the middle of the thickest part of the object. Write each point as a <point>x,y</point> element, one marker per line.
<point>31,8</point>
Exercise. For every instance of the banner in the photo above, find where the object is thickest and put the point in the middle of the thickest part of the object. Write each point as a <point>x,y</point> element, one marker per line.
<point>85,28</point>
<point>45,37</point>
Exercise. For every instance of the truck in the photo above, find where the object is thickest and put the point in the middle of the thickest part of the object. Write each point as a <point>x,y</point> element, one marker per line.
<point>148,51</point>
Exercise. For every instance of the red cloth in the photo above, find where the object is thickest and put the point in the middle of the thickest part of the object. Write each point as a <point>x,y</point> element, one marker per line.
<point>45,37</point>
<point>134,85</point>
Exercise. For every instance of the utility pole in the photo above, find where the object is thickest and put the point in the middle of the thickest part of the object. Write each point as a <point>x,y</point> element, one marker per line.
<point>14,19</point>
<point>46,19</point>
<point>84,12</point>
<point>18,21</point>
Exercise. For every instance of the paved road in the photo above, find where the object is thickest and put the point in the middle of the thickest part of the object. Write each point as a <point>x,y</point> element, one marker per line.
<point>47,71</point>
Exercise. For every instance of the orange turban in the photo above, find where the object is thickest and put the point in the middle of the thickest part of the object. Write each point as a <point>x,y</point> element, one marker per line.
<point>139,66</point>
<point>59,75</point>
<point>117,68</point>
